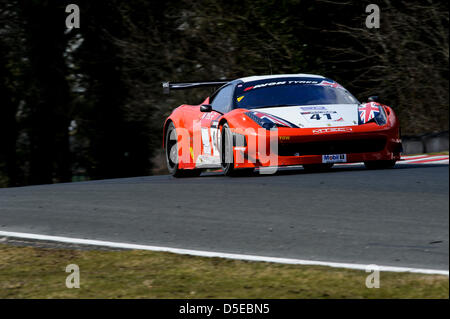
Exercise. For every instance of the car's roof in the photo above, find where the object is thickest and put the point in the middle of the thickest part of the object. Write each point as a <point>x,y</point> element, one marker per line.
<point>274,76</point>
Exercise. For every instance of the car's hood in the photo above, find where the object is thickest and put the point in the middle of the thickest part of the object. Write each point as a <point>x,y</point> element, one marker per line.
<point>316,115</point>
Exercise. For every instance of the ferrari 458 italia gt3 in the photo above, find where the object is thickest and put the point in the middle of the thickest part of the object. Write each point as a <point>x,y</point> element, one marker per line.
<point>278,120</point>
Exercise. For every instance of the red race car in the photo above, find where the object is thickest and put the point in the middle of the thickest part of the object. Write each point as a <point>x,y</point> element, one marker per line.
<point>278,120</point>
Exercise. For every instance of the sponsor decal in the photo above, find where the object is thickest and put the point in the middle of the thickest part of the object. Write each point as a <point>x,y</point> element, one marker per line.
<point>302,82</point>
<point>214,124</point>
<point>331,84</point>
<point>334,158</point>
<point>313,108</point>
<point>275,83</point>
<point>318,112</point>
<point>240,98</point>
<point>209,116</point>
<point>291,82</point>
<point>332,129</point>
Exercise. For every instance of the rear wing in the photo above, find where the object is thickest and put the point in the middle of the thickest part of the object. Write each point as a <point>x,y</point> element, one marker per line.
<point>167,86</point>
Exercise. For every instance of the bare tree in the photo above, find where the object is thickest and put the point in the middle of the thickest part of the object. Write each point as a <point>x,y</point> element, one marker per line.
<point>405,61</point>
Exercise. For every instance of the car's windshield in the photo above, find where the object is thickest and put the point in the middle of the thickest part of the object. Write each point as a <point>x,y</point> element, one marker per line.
<point>290,91</point>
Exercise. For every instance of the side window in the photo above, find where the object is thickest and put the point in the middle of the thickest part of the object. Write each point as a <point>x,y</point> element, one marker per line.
<point>222,100</point>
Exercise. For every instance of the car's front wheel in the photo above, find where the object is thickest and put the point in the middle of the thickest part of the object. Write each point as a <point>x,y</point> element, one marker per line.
<point>171,151</point>
<point>380,164</point>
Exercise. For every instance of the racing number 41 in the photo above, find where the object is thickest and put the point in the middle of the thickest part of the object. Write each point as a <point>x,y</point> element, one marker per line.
<point>317,116</point>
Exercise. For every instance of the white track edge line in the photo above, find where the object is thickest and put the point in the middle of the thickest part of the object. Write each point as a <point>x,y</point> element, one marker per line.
<point>201,253</point>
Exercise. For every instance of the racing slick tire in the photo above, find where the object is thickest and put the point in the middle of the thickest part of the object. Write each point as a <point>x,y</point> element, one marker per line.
<point>317,167</point>
<point>380,164</point>
<point>226,155</point>
<point>172,159</point>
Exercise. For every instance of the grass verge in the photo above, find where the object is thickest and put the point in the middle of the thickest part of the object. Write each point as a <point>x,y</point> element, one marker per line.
<point>33,272</point>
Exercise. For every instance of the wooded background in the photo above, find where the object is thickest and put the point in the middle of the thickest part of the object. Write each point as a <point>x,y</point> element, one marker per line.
<point>87,103</point>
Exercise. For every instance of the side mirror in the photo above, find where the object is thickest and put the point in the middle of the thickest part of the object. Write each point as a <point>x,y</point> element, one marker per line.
<point>373,98</point>
<point>205,108</point>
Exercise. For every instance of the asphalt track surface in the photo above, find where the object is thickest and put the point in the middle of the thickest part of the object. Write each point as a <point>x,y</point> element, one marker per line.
<point>395,217</point>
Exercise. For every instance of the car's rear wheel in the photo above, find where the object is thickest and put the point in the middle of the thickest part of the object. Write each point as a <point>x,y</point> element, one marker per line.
<point>380,164</point>
<point>171,151</point>
<point>317,167</point>
<point>227,156</point>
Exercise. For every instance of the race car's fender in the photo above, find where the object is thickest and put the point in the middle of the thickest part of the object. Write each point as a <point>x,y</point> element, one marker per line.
<point>239,123</point>
<point>183,118</point>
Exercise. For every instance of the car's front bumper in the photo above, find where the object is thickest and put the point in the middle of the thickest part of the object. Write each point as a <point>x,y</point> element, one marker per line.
<point>293,146</point>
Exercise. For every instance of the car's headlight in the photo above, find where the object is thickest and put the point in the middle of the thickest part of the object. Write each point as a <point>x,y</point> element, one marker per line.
<point>268,121</point>
<point>372,112</point>
<point>261,121</point>
<point>381,118</point>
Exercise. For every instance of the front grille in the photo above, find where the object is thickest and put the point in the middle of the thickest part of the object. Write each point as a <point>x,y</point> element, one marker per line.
<point>332,147</point>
